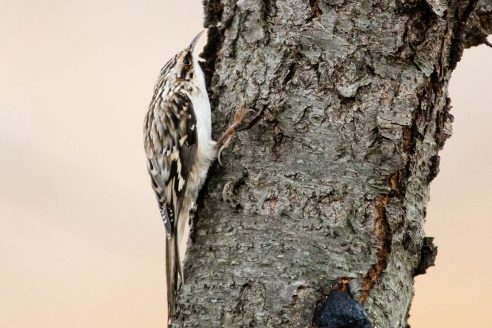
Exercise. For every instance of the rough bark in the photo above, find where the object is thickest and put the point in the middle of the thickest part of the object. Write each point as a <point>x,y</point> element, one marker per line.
<point>322,199</point>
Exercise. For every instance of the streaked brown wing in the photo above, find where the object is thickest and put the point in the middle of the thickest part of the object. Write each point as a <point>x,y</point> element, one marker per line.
<point>170,146</point>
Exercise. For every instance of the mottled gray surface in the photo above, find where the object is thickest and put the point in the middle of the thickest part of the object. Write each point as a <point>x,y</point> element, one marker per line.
<point>332,179</point>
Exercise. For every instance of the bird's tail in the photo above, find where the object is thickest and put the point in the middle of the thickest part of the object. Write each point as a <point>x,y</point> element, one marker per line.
<point>172,272</point>
<point>175,253</point>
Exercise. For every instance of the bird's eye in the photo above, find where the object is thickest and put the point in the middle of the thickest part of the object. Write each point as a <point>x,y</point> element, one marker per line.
<point>187,61</point>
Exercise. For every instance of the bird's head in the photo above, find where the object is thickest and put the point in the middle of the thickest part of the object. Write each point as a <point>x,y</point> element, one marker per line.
<point>184,65</point>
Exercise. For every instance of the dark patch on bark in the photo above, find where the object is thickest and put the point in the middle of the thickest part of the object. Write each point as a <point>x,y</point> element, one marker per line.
<point>413,6</point>
<point>434,168</point>
<point>397,184</point>
<point>278,136</point>
<point>213,15</point>
<point>428,254</point>
<point>213,12</point>
<point>210,51</point>
<point>290,73</point>
<point>444,117</point>
<point>339,309</point>
<point>459,29</point>
<point>269,7</point>
<point>231,189</point>
<point>421,18</point>
<point>413,134</point>
<point>315,9</point>
<point>408,145</point>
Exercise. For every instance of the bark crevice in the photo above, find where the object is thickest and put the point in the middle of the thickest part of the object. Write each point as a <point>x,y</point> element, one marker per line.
<point>382,232</point>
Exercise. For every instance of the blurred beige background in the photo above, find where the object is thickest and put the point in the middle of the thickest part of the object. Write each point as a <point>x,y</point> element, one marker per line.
<point>81,242</point>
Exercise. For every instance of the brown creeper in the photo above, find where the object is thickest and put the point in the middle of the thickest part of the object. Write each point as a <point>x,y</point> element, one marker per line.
<point>180,149</point>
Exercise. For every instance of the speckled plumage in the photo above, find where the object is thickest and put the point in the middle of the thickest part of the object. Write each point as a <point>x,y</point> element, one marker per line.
<point>179,150</point>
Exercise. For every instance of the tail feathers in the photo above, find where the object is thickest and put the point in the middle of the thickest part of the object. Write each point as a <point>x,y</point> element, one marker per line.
<point>173,275</point>
<point>176,246</point>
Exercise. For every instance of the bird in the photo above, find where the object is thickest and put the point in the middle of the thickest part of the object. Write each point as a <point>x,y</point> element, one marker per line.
<point>180,150</point>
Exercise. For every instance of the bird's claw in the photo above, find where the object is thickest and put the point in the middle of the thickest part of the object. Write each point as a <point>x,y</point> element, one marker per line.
<point>227,136</point>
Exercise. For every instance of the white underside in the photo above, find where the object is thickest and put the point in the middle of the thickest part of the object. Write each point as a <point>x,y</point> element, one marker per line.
<point>205,155</point>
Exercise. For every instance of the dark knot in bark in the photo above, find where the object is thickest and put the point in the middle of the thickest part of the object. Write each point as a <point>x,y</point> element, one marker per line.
<point>340,310</point>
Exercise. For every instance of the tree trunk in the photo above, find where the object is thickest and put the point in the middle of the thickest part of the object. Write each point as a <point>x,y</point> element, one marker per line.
<point>321,203</point>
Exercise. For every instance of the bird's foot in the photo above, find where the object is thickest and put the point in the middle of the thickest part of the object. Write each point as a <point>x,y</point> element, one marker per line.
<point>227,136</point>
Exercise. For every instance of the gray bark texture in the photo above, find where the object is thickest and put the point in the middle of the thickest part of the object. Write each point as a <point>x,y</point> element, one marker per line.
<point>321,202</point>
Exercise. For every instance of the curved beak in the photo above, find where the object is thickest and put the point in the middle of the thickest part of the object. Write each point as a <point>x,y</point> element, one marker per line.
<point>195,41</point>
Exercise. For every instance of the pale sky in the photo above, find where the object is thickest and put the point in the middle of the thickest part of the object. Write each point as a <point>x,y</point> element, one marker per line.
<point>81,242</point>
